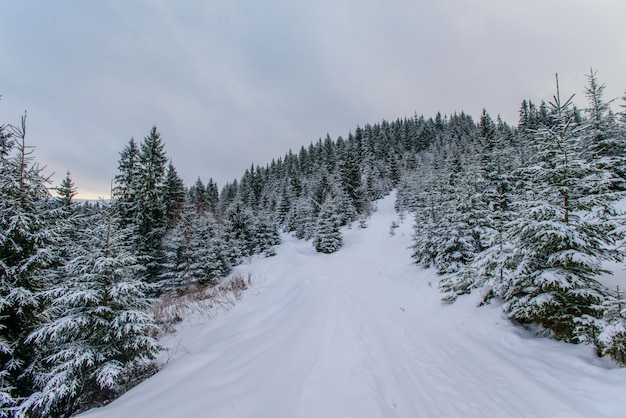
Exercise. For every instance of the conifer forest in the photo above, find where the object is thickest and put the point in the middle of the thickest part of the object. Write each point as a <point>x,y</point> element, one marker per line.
<point>528,215</point>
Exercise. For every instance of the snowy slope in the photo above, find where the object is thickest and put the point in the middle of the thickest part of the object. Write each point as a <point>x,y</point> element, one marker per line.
<point>362,333</point>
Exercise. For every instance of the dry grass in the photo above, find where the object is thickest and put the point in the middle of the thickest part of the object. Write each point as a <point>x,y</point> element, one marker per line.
<point>202,301</point>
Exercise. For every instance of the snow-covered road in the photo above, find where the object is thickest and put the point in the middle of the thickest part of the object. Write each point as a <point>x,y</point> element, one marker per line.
<point>363,333</point>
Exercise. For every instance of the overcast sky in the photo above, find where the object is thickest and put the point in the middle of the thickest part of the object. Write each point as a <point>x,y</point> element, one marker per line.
<point>234,82</point>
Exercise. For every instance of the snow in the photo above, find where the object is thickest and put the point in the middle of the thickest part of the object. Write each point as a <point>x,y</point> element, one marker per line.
<point>363,333</point>
<point>616,278</point>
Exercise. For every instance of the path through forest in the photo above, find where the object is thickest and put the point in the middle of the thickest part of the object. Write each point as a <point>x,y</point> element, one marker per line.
<point>363,333</point>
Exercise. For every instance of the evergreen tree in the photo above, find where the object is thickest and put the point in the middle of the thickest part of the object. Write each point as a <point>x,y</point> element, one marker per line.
<point>152,219</point>
<point>228,194</point>
<point>211,251</point>
<point>429,207</point>
<point>212,196</point>
<point>461,227</point>
<point>195,252</point>
<point>346,212</point>
<point>239,230</point>
<point>321,191</point>
<point>611,328</point>
<point>286,197</point>
<point>301,219</point>
<point>351,180</point>
<point>266,234</point>
<point>98,336</point>
<point>6,389</point>
<point>66,191</point>
<point>449,245</point>
<point>604,144</point>
<point>328,238</point>
<point>126,190</point>
<point>178,253</point>
<point>198,197</point>
<point>7,401</point>
<point>487,127</point>
<point>491,211</point>
<point>29,232</point>
<point>175,195</point>
<point>561,236</point>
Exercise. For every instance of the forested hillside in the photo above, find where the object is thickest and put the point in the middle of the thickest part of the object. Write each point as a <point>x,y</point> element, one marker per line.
<point>522,214</point>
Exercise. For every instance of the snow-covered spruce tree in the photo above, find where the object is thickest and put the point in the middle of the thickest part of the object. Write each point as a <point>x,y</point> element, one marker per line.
<point>351,179</point>
<point>212,196</point>
<point>174,196</point>
<point>6,390</point>
<point>98,337</point>
<point>491,212</point>
<point>266,234</point>
<point>195,252</point>
<point>211,250</point>
<point>622,116</point>
<point>345,207</point>
<point>429,207</point>
<point>66,192</point>
<point>284,205</point>
<point>178,253</point>
<point>322,188</point>
<point>300,219</point>
<point>239,231</point>
<point>152,216</point>
<point>605,144</point>
<point>7,400</point>
<point>424,234</point>
<point>460,229</point>
<point>197,196</point>
<point>72,216</point>
<point>560,237</point>
<point>609,330</point>
<point>452,241</point>
<point>328,238</point>
<point>29,231</point>
<point>126,186</point>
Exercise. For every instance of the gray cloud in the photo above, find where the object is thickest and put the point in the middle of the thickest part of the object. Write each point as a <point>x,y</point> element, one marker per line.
<point>234,83</point>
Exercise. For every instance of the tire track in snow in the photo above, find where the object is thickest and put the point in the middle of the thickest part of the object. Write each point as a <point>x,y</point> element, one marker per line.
<point>417,368</point>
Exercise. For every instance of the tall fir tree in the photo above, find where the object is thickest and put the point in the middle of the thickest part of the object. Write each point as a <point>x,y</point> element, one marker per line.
<point>198,197</point>
<point>239,228</point>
<point>98,336</point>
<point>178,253</point>
<point>126,189</point>
<point>7,400</point>
<point>212,250</point>
<point>196,252</point>
<point>175,196</point>
<point>29,232</point>
<point>351,179</point>
<point>212,196</point>
<point>611,327</point>
<point>328,238</point>
<point>561,237</point>
<point>605,145</point>
<point>66,192</point>
<point>491,212</point>
<point>152,217</point>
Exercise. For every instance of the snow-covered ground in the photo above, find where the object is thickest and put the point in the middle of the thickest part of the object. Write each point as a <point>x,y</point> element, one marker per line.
<point>363,333</point>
